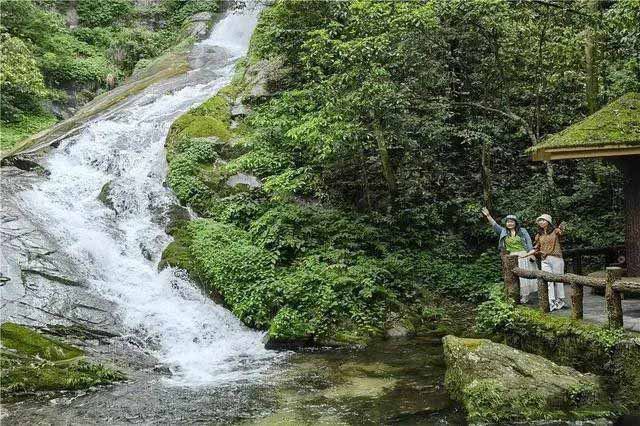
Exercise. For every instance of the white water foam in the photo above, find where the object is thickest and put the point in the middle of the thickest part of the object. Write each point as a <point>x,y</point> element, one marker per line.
<point>201,342</point>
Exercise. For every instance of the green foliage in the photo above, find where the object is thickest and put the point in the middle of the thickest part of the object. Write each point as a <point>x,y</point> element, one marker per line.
<point>320,293</point>
<point>21,81</point>
<point>497,313</point>
<point>42,57</point>
<point>131,45</point>
<point>179,10</point>
<point>103,13</point>
<point>67,59</point>
<point>288,324</point>
<point>367,119</point>
<point>193,144</point>
<point>368,148</point>
<point>500,315</point>
<point>241,272</point>
<point>469,279</point>
<point>11,133</point>
<point>29,22</point>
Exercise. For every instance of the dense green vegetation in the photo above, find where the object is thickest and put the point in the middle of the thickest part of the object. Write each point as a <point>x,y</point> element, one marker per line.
<point>378,130</point>
<point>32,362</point>
<point>63,53</point>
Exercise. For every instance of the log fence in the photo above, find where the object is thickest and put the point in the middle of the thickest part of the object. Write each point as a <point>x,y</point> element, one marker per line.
<point>614,284</point>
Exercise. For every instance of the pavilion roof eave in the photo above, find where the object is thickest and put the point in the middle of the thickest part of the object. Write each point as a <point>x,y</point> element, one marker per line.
<point>607,151</point>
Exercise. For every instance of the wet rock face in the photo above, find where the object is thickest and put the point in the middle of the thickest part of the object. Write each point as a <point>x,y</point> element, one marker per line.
<point>40,286</point>
<point>199,25</point>
<point>497,383</point>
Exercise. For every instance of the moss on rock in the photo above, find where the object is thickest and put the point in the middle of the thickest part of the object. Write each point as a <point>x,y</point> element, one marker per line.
<point>497,383</point>
<point>584,346</point>
<point>31,362</point>
<point>209,119</point>
<point>31,343</point>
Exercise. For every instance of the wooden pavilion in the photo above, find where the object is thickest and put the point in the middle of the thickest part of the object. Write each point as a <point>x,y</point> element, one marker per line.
<point>612,133</point>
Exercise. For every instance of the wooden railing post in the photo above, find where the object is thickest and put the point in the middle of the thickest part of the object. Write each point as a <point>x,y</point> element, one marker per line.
<point>577,264</point>
<point>577,297</point>
<point>543,295</point>
<point>613,298</point>
<point>511,280</point>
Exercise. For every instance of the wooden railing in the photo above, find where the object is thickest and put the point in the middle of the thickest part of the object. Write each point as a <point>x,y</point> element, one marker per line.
<point>614,285</point>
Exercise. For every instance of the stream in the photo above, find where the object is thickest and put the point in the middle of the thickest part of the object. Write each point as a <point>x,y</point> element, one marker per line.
<point>76,260</point>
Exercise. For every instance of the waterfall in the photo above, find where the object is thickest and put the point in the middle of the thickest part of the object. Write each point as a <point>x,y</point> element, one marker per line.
<point>115,250</point>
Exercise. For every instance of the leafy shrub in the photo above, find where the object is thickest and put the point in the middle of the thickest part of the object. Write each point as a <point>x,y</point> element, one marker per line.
<point>464,278</point>
<point>98,37</point>
<point>103,13</point>
<point>21,81</point>
<point>70,60</point>
<point>289,324</point>
<point>238,209</point>
<point>241,272</point>
<point>24,19</point>
<point>319,293</point>
<point>283,230</point>
<point>131,45</point>
<point>495,314</point>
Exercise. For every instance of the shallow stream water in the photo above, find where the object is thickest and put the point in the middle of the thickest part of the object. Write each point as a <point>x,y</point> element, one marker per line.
<point>393,382</point>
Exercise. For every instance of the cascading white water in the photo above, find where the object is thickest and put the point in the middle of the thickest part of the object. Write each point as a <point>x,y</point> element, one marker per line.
<point>200,341</point>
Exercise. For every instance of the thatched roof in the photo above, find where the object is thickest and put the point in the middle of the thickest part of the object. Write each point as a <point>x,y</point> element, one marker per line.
<point>610,132</point>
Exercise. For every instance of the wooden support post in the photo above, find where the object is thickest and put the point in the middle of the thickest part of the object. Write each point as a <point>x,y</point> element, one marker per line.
<point>511,280</point>
<point>577,264</point>
<point>614,301</point>
<point>543,295</point>
<point>577,296</point>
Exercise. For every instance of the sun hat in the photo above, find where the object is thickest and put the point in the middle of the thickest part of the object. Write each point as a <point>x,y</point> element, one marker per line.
<point>545,217</point>
<point>512,217</point>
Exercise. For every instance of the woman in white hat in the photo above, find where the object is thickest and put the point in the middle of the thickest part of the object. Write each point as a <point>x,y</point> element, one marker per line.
<point>514,239</point>
<point>547,246</point>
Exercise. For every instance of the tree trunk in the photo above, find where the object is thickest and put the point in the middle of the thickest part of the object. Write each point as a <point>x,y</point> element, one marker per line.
<point>387,169</point>
<point>485,158</point>
<point>631,172</point>
<point>590,58</point>
<point>591,71</point>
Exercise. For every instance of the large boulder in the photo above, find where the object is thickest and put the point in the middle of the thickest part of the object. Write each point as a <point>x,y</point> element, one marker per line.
<point>497,383</point>
<point>263,79</point>
<point>198,25</point>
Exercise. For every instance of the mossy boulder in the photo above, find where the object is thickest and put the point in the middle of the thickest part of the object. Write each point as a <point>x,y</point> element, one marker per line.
<point>31,362</point>
<point>497,383</point>
<point>31,343</point>
<point>263,79</point>
<point>105,196</point>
